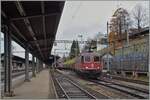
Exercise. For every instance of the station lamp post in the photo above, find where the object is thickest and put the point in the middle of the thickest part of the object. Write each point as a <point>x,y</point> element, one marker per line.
<point>107,49</point>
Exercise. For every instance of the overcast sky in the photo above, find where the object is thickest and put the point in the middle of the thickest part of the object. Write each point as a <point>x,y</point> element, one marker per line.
<point>86,18</point>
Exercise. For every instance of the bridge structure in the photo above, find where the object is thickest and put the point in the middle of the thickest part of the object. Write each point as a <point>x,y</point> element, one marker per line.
<point>31,24</point>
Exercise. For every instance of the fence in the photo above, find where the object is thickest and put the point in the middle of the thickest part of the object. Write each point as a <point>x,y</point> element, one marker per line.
<point>131,58</point>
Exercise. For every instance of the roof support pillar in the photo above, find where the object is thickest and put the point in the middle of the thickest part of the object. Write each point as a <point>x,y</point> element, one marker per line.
<point>33,66</point>
<point>7,62</point>
<point>41,66</point>
<point>27,64</point>
<point>37,65</point>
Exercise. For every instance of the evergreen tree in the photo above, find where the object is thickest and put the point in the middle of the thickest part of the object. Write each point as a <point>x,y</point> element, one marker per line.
<point>77,48</point>
<point>74,49</point>
<point>91,46</point>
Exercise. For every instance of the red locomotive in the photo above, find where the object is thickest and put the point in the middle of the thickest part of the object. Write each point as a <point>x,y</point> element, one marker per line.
<point>88,64</point>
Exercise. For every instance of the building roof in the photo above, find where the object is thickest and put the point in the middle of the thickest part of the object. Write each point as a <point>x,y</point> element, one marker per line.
<point>15,58</point>
<point>134,32</point>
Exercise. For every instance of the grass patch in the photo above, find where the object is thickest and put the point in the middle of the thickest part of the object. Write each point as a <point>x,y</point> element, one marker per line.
<point>140,77</point>
<point>70,61</point>
<point>143,78</point>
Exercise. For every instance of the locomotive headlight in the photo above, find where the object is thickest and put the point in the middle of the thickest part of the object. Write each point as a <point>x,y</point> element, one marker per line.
<point>92,65</point>
<point>86,67</point>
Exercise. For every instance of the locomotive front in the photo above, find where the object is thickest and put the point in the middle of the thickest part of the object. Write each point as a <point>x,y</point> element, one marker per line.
<point>89,65</point>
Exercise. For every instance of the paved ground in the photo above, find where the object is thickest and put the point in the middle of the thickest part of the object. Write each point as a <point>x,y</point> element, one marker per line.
<point>40,87</point>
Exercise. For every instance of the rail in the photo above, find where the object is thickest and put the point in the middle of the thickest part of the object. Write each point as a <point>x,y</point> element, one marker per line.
<point>70,89</point>
<point>141,94</point>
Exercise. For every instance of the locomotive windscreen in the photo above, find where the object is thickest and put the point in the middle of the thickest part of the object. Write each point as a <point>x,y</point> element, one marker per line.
<point>87,58</point>
<point>96,59</point>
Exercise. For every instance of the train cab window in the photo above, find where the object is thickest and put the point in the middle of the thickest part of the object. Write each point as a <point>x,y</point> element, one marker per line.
<point>87,59</point>
<point>82,59</point>
<point>96,59</point>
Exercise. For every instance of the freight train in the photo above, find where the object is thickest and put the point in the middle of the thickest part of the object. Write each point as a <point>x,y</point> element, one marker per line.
<point>88,64</point>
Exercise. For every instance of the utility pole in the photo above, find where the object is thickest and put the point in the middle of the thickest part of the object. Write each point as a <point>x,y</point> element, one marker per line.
<point>120,29</point>
<point>126,30</point>
<point>127,35</point>
<point>107,49</point>
<point>80,40</point>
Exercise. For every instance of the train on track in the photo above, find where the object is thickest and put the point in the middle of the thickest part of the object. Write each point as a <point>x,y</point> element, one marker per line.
<point>88,64</point>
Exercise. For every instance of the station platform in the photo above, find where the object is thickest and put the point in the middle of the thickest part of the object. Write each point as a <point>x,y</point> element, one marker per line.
<point>39,87</point>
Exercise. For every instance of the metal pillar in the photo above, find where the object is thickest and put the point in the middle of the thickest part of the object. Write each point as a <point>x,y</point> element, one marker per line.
<point>40,67</point>
<point>27,65</point>
<point>7,62</point>
<point>122,60</point>
<point>127,36</point>
<point>37,65</point>
<point>33,66</point>
<point>108,69</point>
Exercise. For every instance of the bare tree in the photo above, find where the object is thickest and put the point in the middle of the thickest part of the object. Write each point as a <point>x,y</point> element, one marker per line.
<point>120,22</point>
<point>119,26</point>
<point>140,17</point>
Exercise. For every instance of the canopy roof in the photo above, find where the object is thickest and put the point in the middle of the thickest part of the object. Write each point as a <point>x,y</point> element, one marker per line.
<point>33,24</point>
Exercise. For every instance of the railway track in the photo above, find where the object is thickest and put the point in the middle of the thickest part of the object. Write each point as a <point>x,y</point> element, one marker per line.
<point>67,89</point>
<point>127,85</point>
<point>14,74</point>
<point>135,92</point>
<point>128,80</point>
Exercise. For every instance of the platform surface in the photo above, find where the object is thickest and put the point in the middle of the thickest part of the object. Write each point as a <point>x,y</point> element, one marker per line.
<point>40,87</point>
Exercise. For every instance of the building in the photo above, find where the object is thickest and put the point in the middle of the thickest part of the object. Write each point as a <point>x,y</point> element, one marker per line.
<point>102,41</point>
<point>18,63</point>
<point>132,58</point>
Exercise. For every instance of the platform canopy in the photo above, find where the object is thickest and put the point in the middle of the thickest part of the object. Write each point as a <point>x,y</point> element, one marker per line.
<point>33,24</point>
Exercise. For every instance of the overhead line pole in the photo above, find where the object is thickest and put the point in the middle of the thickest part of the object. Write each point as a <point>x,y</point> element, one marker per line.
<point>107,49</point>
